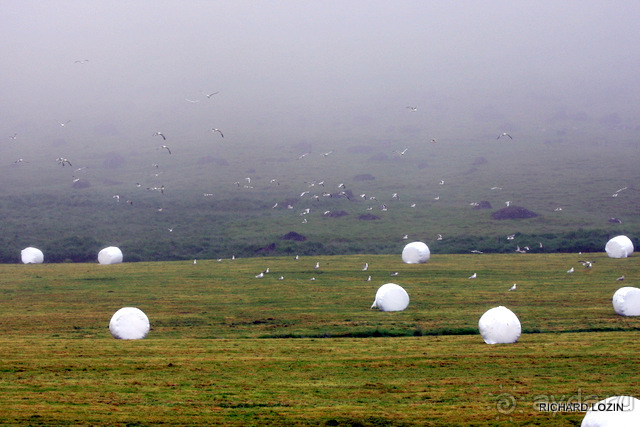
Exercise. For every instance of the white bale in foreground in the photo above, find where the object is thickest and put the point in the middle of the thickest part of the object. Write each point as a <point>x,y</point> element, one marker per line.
<point>626,301</point>
<point>129,323</point>
<point>391,297</point>
<point>614,411</point>
<point>415,253</point>
<point>499,326</point>
<point>32,256</point>
<point>110,255</point>
<point>619,247</point>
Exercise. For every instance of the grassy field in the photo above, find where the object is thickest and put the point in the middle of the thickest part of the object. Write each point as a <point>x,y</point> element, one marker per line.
<point>227,348</point>
<point>40,206</point>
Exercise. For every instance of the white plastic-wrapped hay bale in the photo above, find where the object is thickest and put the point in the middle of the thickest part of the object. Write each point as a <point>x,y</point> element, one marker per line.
<point>129,323</point>
<point>415,253</point>
<point>619,247</point>
<point>626,301</point>
<point>499,326</point>
<point>110,255</point>
<point>391,297</point>
<point>32,256</point>
<point>614,411</point>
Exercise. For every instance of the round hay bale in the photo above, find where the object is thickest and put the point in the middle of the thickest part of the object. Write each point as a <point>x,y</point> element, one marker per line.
<point>391,297</point>
<point>499,325</point>
<point>626,301</point>
<point>32,256</point>
<point>110,255</point>
<point>619,247</point>
<point>614,411</point>
<point>129,323</point>
<point>415,253</point>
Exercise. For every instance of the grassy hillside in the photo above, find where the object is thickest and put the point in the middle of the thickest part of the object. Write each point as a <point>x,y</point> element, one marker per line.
<point>227,348</point>
<point>218,200</point>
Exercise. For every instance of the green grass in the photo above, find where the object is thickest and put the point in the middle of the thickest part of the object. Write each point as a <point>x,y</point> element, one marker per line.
<point>227,348</point>
<point>39,207</point>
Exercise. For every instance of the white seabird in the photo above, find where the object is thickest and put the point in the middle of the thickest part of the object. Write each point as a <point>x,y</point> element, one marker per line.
<point>214,130</point>
<point>160,134</point>
<point>504,134</point>
<point>513,288</point>
<point>62,161</point>
<point>166,148</point>
<point>473,276</point>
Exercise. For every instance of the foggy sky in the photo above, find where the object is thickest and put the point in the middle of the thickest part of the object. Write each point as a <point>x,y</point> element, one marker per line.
<point>296,70</point>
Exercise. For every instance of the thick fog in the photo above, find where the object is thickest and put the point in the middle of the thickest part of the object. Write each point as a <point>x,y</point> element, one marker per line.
<point>306,70</point>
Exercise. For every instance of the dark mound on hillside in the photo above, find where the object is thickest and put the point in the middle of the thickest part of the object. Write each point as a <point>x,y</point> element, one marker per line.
<point>479,161</point>
<point>380,157</point>
<point>296,237</point>
<point>81,183</point>
<point>337,214</point>
<point>368,217</point>
<point>113,160</point>
<point>215,160</point>
<point>364,177</point>
<point>513,212</point>
<point>267,249</point>
<point>483,205</point>
<point>360,149</point>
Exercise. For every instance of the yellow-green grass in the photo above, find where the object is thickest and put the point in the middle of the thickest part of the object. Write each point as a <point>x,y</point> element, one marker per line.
<point>216,354</point>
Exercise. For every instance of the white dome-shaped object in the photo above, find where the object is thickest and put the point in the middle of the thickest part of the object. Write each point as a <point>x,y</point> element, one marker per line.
<point>110,255</point>
<point>614,411</point>
<point>626,301</point>
<point>391,297</point>
<point>415,253</point>
<point>499,326</point>
<point>619,247</point>
<point>129,323</point>
<point>32,256</point>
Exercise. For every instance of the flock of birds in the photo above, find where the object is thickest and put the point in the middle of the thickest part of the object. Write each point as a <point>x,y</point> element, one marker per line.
<point>314,192</point>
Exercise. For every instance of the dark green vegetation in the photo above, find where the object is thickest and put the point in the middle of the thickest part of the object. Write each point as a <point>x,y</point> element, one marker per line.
<point>567,181</point>
<point>216,354</point>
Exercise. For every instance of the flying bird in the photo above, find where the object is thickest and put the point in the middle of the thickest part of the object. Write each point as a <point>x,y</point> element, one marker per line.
<point>504,134</point>
<point>413,109</point>
<point>65,123</point>
<point>13,137</point>
<point>210,94</point>
<point>81,61</point>
<point>160,134</point>
<point>62,161</point>
<point>166,148</point>
<point>214,130</point>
